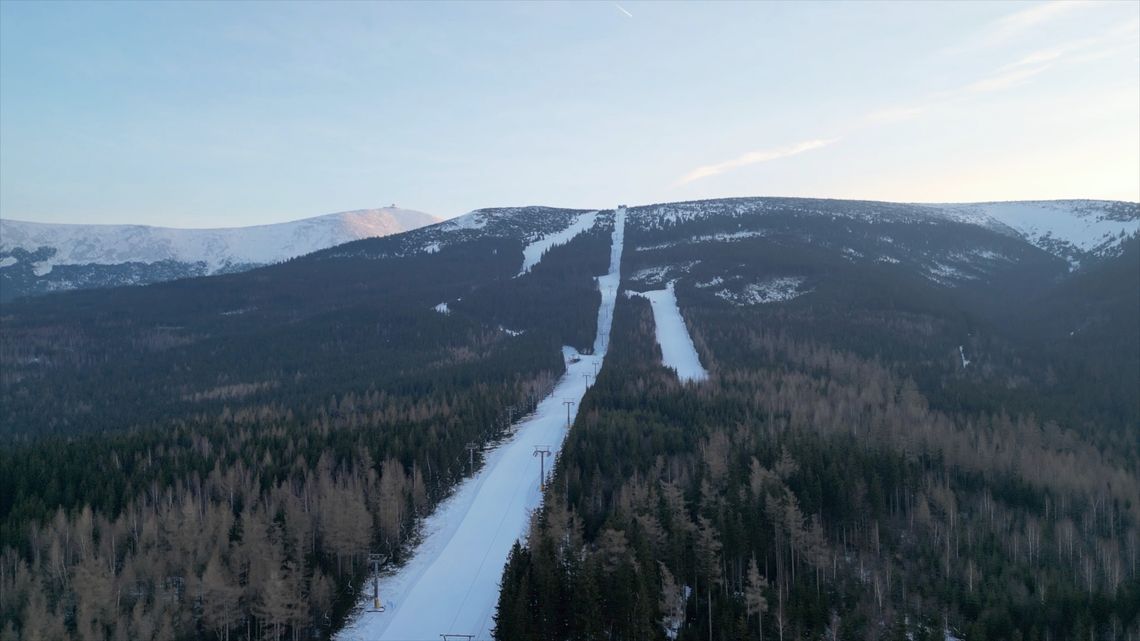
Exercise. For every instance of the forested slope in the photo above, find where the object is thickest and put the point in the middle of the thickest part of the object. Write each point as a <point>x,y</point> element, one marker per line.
<point>215,458</point>
<point>878,454</point>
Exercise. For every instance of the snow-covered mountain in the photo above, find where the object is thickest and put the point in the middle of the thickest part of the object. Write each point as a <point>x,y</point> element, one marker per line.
<point>40,257</point>
<point>1074,230</point>
<point>1069,229</point>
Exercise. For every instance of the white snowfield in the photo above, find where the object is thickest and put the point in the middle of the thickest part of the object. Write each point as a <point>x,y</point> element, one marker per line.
<point>451,583</point>
<point>533,253</point>
<point>677,349</point>
<point>218,248</point>
<point>1084,225</point>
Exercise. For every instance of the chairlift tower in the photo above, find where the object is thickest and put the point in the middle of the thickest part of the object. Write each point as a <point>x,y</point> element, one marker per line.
<point>542,451</point>
<point>568,404</point>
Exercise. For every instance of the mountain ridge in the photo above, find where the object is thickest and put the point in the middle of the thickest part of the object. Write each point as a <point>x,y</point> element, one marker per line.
<point>37,258</point>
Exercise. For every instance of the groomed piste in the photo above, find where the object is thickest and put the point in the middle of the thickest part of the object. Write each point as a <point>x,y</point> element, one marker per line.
<point>451,583</point>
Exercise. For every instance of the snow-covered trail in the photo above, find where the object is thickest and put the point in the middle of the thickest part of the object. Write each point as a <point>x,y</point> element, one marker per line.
<point>677,349</point>
<point>533,253</point>
<point>451,584</point>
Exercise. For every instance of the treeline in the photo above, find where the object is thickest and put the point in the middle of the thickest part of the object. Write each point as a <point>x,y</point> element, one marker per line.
<point>806,491</point>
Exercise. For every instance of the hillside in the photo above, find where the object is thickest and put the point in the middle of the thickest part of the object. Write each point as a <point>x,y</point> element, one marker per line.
<point>799,417</point>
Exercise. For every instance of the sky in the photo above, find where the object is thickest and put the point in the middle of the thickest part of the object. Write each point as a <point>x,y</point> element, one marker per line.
<point>212,114</point>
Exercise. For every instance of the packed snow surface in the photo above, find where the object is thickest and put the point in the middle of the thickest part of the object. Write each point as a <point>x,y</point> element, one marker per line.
<point>532,254</point>
<point>451,583</point>
<point>677,349</point>
<point>218,248</point>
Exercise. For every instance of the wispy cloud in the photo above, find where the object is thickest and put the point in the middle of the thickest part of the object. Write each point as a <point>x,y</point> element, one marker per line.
<point>1011,26</point>
<point>1122,33</point>
<point>1006,79</point>
<point>622,9</point>
<point>1076,51</point>
<point>753,157</point>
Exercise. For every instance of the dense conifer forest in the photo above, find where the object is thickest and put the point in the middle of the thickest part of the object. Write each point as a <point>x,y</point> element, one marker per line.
<point>842,474</point>
<point>216,458</point>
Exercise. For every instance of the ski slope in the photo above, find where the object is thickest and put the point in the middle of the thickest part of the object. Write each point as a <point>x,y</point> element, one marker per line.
<point>677,349</point>
<point>532,254</point>
<point>451,583</point>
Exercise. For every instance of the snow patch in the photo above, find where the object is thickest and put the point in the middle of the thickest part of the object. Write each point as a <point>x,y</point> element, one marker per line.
<point>474,220</point>
<point>713,282</point>
<point>962,353</point>
<point>7,261</point>
<point>947,275</point>
<point>238,312</point>
<point>772,290</point>
<point>677,349</point>
<point>651,275</point>
<point>659,274</point>
<point>723,237</point>
<point>442,308</point>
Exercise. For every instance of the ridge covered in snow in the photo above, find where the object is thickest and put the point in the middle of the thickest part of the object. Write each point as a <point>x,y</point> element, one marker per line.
<point>38,258</point>
<point>1069,229</point>
<point>77,244</point>
<point>1065,228</point>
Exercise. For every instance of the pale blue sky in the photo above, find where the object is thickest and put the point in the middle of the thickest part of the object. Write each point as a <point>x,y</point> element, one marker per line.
<point>219,114</point>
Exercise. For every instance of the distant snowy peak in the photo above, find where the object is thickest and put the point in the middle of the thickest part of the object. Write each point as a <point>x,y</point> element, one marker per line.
<point>1071,229</point>
<point>37,258</point>
<point>219,249</point>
